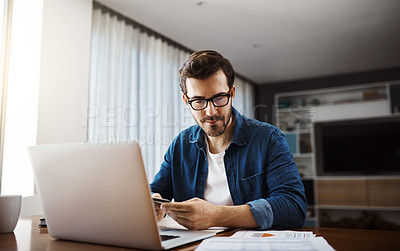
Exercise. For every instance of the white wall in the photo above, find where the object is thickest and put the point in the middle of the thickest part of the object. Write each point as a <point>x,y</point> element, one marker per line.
<point>64,73</point>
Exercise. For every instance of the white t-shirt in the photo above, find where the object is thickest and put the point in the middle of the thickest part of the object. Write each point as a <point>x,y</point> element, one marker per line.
<point>217,189</point>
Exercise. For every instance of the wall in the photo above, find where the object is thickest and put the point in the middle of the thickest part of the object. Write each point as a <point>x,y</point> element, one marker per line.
<point>64,73</point>
<point>266,93</point>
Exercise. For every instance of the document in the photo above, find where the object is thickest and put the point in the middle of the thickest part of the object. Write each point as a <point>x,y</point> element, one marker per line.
<point>169,223</point>
<point>276,244</point>
<point>273,234</point>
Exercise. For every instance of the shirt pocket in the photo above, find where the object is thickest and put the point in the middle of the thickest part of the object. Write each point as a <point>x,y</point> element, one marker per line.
<point>254,187</point>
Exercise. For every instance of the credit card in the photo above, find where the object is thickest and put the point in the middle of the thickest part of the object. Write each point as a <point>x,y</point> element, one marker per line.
<point>160,201</point>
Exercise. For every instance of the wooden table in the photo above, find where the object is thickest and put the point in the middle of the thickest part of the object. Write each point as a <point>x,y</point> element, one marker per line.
<point>28,236</point>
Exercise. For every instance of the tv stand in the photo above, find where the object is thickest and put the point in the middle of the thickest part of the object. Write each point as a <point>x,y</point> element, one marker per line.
<point>369,197</point>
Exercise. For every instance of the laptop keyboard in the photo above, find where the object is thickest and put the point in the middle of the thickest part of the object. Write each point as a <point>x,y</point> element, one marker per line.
<point>165,237</point>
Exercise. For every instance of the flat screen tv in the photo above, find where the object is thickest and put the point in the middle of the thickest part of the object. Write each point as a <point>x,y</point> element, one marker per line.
<point>358,147</point>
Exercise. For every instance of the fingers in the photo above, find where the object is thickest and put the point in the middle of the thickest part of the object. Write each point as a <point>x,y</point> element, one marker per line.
<point>176,207</point>
<point>159,212</point>
<point>182,221</point>
<point>187,205</point>
<point>177,214</point>
<point>178,211</point>
<point>156,195</point>
<point>192,214</point>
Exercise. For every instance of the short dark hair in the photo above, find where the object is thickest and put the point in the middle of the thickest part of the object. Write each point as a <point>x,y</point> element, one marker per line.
<point>203,64</point>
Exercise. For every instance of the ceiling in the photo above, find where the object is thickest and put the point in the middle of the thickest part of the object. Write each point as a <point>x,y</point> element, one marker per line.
<point>270,41</point>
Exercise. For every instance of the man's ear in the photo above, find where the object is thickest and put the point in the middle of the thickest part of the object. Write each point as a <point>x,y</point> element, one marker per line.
<point>233,91</point>
<point>185,99</point>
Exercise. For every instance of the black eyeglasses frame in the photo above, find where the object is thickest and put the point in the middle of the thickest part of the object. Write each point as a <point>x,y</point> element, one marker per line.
<point>227,94</point>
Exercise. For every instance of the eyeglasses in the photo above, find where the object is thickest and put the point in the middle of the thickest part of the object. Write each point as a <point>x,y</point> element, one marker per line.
<point>218,100</point>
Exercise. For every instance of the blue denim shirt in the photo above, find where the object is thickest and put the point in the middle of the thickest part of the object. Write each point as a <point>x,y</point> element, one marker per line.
<point>259,168</point>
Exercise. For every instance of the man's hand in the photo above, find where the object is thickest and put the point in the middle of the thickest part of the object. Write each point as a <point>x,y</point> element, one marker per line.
<point>200,214</point>
<point>160,213</point>
<point>193,214</point>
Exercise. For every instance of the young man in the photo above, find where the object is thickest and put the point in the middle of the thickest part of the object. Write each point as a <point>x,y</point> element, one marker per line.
<point>228,170</point>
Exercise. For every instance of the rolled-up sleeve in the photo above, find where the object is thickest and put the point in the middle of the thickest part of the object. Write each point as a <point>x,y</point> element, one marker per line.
<point>262,212</point>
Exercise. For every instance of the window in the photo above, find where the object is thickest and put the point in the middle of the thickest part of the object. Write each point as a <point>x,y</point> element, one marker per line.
<point>5,7</point>
<point>20,86</point>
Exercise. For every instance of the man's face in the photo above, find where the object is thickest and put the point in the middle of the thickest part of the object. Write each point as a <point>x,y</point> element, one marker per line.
<point>213,120</point>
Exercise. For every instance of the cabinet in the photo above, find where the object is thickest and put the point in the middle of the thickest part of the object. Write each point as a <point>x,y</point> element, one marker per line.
<point>366,191</point>
<point>295,114</point>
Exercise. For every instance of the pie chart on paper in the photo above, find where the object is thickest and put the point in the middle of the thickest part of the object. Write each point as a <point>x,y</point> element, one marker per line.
<point>267,235</point>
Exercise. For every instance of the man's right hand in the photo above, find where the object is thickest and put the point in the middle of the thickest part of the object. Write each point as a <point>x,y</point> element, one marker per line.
<point>160,213</point>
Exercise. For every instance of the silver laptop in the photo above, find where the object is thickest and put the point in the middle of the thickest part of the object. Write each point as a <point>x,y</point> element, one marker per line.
<point>100,194</point>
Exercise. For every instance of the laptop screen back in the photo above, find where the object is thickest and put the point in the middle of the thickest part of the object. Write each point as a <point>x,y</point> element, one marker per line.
<point>96,193</point>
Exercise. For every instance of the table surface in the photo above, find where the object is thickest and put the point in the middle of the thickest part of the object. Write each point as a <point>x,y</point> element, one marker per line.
<point>28,236</point>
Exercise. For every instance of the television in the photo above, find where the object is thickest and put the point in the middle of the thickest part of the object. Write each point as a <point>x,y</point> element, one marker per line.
<point>369,146</point>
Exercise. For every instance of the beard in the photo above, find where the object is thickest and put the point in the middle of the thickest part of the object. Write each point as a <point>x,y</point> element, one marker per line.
<point>219,125</point>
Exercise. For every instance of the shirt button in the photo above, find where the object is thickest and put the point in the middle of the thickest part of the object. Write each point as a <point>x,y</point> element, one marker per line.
<point>201,183</point>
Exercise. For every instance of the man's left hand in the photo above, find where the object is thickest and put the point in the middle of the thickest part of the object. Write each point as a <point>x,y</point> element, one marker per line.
<point>193,214</point>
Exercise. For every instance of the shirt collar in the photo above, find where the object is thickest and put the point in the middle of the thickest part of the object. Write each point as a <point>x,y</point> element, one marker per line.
<point>238,134</point>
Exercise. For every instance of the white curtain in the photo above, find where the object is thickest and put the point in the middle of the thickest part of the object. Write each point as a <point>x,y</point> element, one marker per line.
<point>134,88</point>
<point>244,97</point>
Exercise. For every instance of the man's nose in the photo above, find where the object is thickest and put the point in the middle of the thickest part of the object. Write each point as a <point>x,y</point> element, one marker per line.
<point>210,109</point>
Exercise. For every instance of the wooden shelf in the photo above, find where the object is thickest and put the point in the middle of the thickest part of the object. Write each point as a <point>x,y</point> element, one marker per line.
<point>303,155</point>
<point>356,208</point>
<point>358,192</point>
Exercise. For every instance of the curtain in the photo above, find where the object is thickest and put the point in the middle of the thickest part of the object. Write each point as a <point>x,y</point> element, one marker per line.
<point>134,91</point>
<point>244,97</point>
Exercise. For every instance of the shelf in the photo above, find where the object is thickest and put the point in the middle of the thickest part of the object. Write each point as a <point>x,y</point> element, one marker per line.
<point>298,131</point>
<point>354,102</point>
<point>359,177</point>
<point>331,96</point>
<point>311,207</point>
<point>357,208</point>
<point>299,110</point>
<point>306,108</point>
<point>303,155</point>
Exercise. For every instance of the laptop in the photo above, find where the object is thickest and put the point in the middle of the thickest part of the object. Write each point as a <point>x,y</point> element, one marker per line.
<point>99,194</point>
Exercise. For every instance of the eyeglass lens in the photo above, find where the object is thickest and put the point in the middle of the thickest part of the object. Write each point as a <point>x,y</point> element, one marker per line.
<point>218,101</point>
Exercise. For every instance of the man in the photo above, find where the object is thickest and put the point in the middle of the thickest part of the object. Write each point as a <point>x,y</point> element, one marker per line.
<point>228,170</point>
